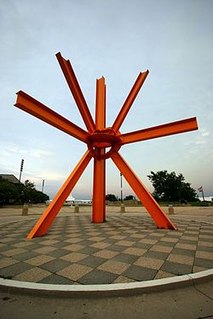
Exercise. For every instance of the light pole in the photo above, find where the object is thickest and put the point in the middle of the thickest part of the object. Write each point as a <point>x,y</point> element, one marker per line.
<point>200,189</point>
<point>42,186</point>
<point>21,169</point>
<point>121,188</point>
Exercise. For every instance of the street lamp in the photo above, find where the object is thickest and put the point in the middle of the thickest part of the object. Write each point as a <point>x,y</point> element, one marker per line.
<point>121,187</point>
<point>21,169</point>
<point>42,186</point>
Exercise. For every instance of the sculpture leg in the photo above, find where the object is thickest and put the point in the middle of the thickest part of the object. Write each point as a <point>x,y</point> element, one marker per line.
<point>43,224</point>
<point>98,206</point>
<point>143,194</point>
<point>98,203</point>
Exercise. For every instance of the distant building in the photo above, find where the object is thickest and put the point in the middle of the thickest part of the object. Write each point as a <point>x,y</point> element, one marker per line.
<point>10,178</point>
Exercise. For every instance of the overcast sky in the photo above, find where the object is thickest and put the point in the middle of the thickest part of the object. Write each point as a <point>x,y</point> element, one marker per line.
<point>116,39</point>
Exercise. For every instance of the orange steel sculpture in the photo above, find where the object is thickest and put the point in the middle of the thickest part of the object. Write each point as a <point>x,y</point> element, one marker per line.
<point>103,143</point>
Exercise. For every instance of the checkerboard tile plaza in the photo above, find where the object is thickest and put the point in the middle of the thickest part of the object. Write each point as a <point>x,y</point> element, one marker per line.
<point>126,248</point>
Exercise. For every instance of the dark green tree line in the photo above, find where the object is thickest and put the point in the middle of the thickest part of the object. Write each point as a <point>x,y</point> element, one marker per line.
<point>11,193</point>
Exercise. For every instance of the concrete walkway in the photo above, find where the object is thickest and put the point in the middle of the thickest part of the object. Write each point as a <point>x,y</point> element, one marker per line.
<point>126,249</point>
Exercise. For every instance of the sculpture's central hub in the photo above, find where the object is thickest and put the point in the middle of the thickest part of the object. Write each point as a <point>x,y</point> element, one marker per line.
<point>105,138</point>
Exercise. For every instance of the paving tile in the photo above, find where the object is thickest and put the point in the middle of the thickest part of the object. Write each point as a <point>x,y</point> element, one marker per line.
<point>206,237</point>
<point>205,243</point>
<point>138,236</point>
<point>198,269</point>
<point>126,243</point>
<point>44,250</point>
<point>107,254</point>
<point>55,265</point>
<point>147,262</point>
<point>180,251</point>
<point>165,244</point>
<point>201,262</point>
<point>26,255</point>
<point>73,240</point>
<point>186,246</point>
<point>126,258</point>
<point>13,252</point>
<point>73,247</point>
<point>204,248</point>
<point>117,248</point>
<point>39,260</point>
<point>33,275</point>
<point>23,244</point>
<point>116,267</point>
<point>163,274</point>
<point>88,250</point>
<point>100,245</point>
<point>56,280</point>
<point>205,255</point>
<point>176,268</point>
<point>122,279</point>
<point>139,273</point>
<point>74,271</point>
<point>134,251</point>
<point>169,239</point>
<point>13,270</point>
<point>58,253</point>
<point>156,255</point>
<point>189,238</point>
<point>186,242</point>
<point>99,277</point>
<point>74,257</point>
<point>161,248</point>
<point>181,259</point>
<point>48,242</point>
<point>5,262</point>
<point>142,245</point>
<point>92,261</point>
<point>97,238</point>
<point>158,234</point>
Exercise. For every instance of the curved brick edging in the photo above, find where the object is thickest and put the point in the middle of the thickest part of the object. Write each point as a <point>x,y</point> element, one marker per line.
<point>108,289</point>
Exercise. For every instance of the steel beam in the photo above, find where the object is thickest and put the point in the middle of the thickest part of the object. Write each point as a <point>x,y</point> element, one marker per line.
<point>76,92</point>
<point>30,105</point>
<point>182,126</point>
<point>45,221</point>
<point>98,208</point>
<point>158,215</point>
<point>129,100</point>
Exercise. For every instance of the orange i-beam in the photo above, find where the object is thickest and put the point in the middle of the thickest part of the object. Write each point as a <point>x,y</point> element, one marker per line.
<point>102,143</point>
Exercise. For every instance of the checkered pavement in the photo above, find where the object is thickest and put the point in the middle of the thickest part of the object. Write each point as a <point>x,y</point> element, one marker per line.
<point>126,248</point>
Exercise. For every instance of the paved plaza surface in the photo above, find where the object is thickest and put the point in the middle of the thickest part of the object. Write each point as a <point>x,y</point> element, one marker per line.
<point>126,248</point>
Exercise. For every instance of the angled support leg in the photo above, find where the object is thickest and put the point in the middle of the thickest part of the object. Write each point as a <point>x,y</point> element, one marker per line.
<point>160,218</point>
<point>43,224</point>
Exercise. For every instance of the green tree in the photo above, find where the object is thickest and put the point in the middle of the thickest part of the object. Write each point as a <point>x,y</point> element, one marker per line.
<point>171,187</point>
<point>30,194</point>
<point>9,193</point>
<point>111,197</point>
<point>129,197</point>
<point>20,193</point>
